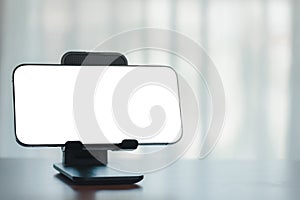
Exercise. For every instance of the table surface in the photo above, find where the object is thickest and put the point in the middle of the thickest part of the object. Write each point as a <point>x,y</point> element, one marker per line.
<point>186,179</point>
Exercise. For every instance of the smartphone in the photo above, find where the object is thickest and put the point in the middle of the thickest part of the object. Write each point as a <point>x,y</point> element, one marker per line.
<point>93,104</point>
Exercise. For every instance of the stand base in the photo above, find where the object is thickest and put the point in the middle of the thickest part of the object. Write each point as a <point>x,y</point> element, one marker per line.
<point>96,175</point>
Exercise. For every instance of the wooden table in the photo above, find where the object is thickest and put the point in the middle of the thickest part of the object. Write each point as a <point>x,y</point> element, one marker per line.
<point>186,179</point>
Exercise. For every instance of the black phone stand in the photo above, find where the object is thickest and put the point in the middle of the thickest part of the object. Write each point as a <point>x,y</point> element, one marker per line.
<point>79,163</point>
<point>88,166</point>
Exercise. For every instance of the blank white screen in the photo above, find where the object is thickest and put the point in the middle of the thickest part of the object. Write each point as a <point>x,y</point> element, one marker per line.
<point>44,104</point>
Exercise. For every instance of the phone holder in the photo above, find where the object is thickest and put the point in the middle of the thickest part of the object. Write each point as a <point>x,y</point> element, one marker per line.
<point>79,163</point>
<point>87,164</point>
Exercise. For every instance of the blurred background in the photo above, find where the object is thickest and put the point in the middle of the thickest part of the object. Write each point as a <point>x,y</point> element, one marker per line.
<point>254,44</point>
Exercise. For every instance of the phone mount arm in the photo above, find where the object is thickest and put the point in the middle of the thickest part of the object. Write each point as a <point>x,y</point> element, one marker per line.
<point>77,154</point>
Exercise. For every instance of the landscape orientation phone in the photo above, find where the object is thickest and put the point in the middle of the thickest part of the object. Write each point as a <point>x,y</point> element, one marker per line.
<point>54,104</point>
